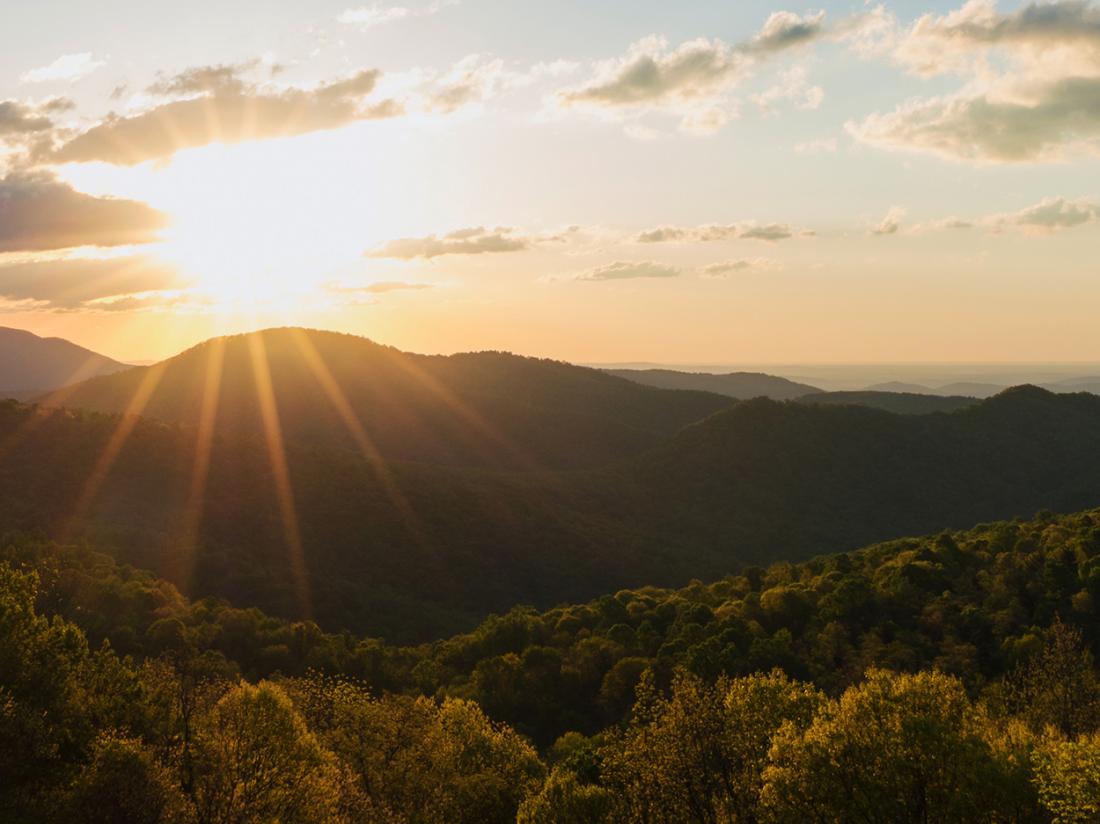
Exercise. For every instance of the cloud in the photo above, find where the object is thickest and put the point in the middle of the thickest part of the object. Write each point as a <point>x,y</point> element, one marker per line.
<point>794,86</point>
<point>380,288</point>
<point>726,268</point>
<point>784,30</point>
<point>1032,92</point>
<point>1051,214</point>
<point>473,79</point>
<point>1058,120</point>
<point>628,270</point>
<point>651,74</point>
<point>367,17</point>
<point>713,232</point>
<point>18,120</point>
<point>222,78</point>
<point>39,212</point>
<point>69,67</point>
<point>891,223</point>
<point>1055,33</point>
<point>696,75</point>
<point>68,284</point>
<point>947,223</point>
<point>226,110</point>
<point>473,241</point>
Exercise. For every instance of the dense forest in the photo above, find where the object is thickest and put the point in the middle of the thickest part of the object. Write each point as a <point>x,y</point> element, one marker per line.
<point>412,550</point>
<point>299,577</point>
<point>949,678</point>
<point>480,409</point>
<point>901,403</point>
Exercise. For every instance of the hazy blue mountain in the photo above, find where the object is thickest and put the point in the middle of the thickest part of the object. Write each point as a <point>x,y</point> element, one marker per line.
<point>1085,384</point>
<point>31,365</point>
<point>741,385</point>
<point>902,387</point>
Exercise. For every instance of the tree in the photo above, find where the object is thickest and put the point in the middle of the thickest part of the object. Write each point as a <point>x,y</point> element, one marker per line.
<point>565,799</point>
<point>897,748</point>
<point>44,729</point>
<point>1068,776</point>
<point>698,754</point>
<point>256,761</point>
<point>397,746</point>
<point>125,784</point>
<point>1057,686</point>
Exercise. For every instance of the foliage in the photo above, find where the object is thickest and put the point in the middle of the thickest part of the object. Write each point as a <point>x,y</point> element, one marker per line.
<point>1068,775</point>
<point>944,679</point>
<point>416,524</point>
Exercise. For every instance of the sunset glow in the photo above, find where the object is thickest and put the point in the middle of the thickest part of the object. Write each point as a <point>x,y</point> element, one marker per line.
<point>713,186</point>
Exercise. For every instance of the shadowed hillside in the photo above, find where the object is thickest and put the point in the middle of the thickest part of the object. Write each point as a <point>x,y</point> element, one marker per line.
<point>32,365</point>
<point>410,550</point>
<point>481,409</point>
<point>764,476</point>
<point>900,403</point>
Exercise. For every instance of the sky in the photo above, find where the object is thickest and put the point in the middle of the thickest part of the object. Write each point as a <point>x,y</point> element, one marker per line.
<point>595,181</point>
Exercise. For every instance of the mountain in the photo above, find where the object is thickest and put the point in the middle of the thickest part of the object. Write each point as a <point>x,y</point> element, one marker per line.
<point>1086,384</point>
<point>901,403</point>
<point>488,409</point>
<point>741,385</point>
<point>971,388</point>
<point>900,387</point>
<point>411,550</point>
<point>782,480</point>
<point>30,365</point>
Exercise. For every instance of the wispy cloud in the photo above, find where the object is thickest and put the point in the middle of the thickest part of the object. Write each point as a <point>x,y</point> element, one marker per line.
<point>222,106</point>
<point>1051,214</point>
<point>694,80</point>
<point>39,212</point>
<point>891,223</point>
<point>770,232</point>
<point>728,268</point>
<point>68,67</point>
<point>627,270</point>
<point>473,241</point>
<point>107,284</point>
<point>368,17</point>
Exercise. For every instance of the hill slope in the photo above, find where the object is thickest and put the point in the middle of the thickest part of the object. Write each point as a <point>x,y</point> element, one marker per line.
<point>766,477</point>
<point>33,365</point>
<point>900,403</point>
<point>412,551</point>
<point>487,409</point>
<point>741,385</point>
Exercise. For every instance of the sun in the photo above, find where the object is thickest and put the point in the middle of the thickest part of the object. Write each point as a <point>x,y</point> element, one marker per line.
<point>262,223</point>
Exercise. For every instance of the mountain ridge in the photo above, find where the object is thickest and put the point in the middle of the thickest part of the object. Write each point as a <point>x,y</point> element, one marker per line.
<point>32,365</point>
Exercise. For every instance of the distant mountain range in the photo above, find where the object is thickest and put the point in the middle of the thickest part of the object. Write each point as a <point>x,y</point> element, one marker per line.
<point>408,496</point>
<point>488,409</point>
<point>741,385</point>
<point>31,365</point>
<point>745,385</point>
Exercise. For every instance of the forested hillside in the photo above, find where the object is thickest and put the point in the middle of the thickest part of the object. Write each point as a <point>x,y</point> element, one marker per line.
<point>487,409</point>
<point>902,403</point>
<point>412,551</point>
<point>648,705</point>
